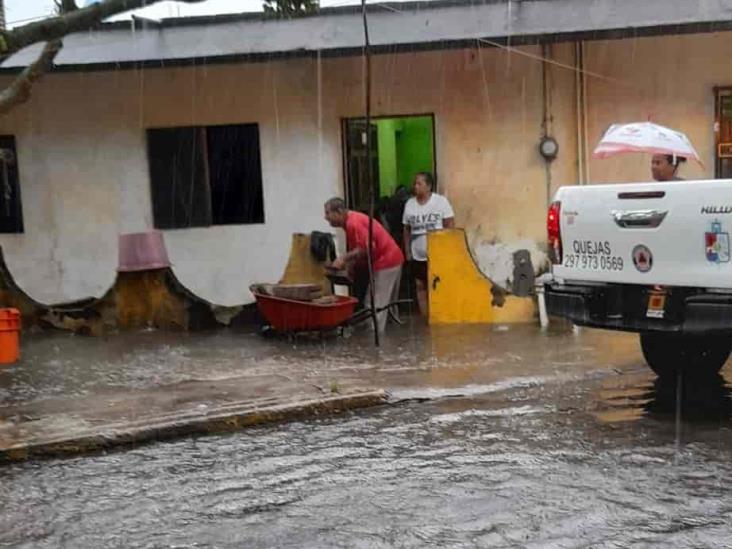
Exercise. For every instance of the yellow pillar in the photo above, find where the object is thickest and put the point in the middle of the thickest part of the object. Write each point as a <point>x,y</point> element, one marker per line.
<point>302,267</point>
<point>459,293</point>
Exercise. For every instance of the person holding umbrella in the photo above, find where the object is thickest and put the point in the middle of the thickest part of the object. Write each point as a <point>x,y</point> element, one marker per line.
<point>665,166</point>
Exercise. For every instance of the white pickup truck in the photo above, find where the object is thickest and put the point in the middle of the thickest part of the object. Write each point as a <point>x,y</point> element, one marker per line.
<point>651,258</point>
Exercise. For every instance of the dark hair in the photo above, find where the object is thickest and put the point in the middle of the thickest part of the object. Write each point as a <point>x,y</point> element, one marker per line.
<point>679,160</point>
<point>335,204</point>
<point>428,178</point>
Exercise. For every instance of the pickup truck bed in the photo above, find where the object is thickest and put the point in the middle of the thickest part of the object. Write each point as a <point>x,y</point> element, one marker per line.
<point>652,258</point>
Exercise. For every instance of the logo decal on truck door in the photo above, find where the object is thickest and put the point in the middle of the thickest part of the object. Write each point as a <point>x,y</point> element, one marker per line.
<point>716,243</point>
<point>642,258</point>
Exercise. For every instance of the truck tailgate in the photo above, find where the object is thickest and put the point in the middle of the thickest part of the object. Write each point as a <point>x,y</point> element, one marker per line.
<point>671,233</point>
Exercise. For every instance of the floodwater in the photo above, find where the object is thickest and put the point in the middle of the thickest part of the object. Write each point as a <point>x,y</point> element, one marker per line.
<point>65,365</point>
<point>540,453</point>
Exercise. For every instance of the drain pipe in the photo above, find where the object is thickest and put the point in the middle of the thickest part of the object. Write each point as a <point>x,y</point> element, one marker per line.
<point>585,117</point>
<point>546,123</point>
<point>580,90</point>
<point>548,148</point>
<point>578,113</point>
<point>580,93</point>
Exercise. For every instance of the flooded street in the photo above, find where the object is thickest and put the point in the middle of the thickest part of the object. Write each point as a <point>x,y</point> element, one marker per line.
<point>513,450</point>
<point>198,198</point>
<point>61,364</point>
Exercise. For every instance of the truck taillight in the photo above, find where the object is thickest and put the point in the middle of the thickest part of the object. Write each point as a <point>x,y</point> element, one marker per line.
<point>554,232</point>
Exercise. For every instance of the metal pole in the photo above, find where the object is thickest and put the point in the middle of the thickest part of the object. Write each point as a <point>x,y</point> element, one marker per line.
<point>546,129</point>
<point>369,171</point>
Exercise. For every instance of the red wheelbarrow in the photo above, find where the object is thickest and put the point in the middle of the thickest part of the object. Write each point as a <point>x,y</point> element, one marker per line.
<point>291,315</point>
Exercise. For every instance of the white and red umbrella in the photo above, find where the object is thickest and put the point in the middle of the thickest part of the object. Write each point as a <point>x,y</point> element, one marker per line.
<point>645,137</point>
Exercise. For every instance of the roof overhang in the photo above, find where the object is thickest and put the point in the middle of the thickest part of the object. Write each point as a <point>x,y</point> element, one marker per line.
<point>393,27</point>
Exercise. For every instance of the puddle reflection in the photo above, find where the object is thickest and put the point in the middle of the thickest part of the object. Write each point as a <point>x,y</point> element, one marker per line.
<point>637,395</point>
<point>702,399</point>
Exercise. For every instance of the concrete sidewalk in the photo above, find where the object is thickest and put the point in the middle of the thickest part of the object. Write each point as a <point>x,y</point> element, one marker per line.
<point>62,427</point>
<point>71,396</point>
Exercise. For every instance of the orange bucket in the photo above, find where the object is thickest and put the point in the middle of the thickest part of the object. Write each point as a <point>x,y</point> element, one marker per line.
<point>9,340</point>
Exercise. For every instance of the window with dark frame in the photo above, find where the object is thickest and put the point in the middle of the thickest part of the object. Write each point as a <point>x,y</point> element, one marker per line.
<point>11,208</point>
<point>205,175</point>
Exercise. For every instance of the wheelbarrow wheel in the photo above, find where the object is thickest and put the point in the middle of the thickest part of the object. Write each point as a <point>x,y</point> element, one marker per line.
<point>267,331</point>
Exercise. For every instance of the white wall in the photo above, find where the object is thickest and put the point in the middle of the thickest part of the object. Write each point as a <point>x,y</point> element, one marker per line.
<point>84,175</point>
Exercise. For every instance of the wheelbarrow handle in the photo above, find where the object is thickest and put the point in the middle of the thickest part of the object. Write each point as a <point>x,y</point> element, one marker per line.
<point>364,313</point>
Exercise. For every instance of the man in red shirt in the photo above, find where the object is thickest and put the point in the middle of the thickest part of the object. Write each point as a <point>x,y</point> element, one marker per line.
<point>386,257</point>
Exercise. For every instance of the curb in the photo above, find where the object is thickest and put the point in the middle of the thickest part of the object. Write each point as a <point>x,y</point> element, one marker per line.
<point>228,418</point>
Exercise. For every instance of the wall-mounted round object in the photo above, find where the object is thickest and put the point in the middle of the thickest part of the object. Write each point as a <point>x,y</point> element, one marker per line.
<point>548,148</point>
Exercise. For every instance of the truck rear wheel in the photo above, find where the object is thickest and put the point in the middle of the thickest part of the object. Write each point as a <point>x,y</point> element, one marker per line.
<point>666,354</point>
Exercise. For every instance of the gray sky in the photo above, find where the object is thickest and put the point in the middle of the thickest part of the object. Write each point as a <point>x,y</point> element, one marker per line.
<point>22,10</point>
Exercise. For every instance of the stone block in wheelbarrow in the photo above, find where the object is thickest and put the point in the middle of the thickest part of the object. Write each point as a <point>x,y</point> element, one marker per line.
<point>300,292</point>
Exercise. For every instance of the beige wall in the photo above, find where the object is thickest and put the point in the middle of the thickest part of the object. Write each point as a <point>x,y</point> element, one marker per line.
<point>488,116</point>
<point>84,169</point>
<point>670,79</point>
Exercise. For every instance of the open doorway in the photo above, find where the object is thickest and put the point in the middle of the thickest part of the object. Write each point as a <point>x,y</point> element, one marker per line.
<point>401,147</point>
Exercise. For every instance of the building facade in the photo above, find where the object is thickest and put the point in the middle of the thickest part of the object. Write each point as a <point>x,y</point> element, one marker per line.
<point>109,146</point>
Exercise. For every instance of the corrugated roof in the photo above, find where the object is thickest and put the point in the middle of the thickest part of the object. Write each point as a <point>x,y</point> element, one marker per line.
<point>392,27</point>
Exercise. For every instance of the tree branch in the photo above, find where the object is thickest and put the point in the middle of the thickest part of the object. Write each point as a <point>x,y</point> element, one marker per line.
<point>65,6</point>
<point>71,18</point>
<point>19,90</point>
<point>59,26</point>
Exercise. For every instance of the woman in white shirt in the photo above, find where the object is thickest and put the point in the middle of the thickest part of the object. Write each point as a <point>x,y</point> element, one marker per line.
<point>424,212</point>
